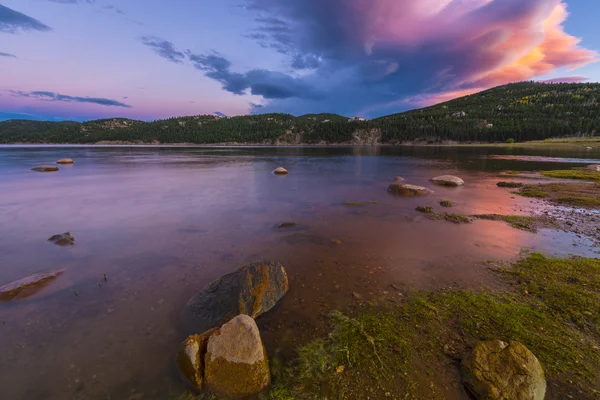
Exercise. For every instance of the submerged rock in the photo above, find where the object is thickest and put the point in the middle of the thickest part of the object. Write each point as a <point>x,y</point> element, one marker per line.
<point>496,370</point>
<point>236,362</point>
<point>28,286</point>
<point>65,161</point>
<point>280,171</point>
<point>251,290</point>
<point>448,180</point>
<point>45,168</point>
<point>64,239</point>
<point>400,189</point>
<point>593,167</point>
<point>190,358</point>
<point>287,225</point>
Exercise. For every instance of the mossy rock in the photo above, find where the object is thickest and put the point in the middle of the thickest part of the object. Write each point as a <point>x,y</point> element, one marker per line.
<point>496,370</point>
<point>64,239</point>
<point>252,290</point>
<point>190,358</point>
<point>425,209</point>
<point>236,362</point>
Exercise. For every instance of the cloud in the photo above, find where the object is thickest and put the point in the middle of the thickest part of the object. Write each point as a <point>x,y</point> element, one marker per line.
<point>114,9</point>
<point>382,56</point>
<point>163,48</point>
<point>51,96</point>
<point>260,82</point>
<point>12,21</point>
<point>9,55</point>
<point>566,79</point>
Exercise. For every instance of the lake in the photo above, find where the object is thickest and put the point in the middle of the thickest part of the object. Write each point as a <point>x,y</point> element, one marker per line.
<point>160,223</point>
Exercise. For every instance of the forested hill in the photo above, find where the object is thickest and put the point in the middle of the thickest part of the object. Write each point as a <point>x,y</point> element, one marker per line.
<point>520,111</point>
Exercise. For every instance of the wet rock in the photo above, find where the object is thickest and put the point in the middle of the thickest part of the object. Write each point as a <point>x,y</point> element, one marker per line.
<point>399,179</point>
<point>448,180</point>
<point>190,358</point>
<point>287,225</point>
<point>64,239</point>
<point>28,286</point>
<point>65,161</point>
<point>496,370</point>
<point>593,167</point>
<point>251,290</point>
<point>280,171</point>
<point>400,189</point>
<point>45,168</point>
<point>236,363</point>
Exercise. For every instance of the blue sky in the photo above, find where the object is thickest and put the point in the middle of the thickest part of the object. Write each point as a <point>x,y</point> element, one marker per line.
<point>149,59</point>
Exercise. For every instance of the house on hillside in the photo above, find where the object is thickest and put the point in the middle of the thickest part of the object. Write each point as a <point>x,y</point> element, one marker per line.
<point>357,119</point>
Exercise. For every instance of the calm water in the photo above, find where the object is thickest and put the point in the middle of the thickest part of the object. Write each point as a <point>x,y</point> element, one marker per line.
<point>161,223</point>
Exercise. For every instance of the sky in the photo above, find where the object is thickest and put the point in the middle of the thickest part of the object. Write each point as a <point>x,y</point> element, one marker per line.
<point>154,59</point>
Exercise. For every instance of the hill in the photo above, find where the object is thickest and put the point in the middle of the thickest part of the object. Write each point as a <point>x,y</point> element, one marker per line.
<point>519,111</point>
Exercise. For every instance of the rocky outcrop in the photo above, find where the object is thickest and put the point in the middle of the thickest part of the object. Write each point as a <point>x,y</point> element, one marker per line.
<point>64,239</point>
<point>594,167</point>
<point>448,180</point>
<point>236,362</point>
<point>45,168</point>
<point>405,190</point>
<point>496,370</point>
<point>65,161</point>
<point>280,171</point>
<point>251,290</point>
<point>28,286</point>
<point>363,137</point>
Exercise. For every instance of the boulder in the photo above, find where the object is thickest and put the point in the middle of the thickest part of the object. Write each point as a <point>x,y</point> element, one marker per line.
<point>496,370</point>
<point>252,290</point>
<point>236,362</point>
<point>190,358</point>
<point>64,239</point>
<point>280,171</point>
<point>400,189</point>
<point>593,167</point>
<point>27,286</point>
<point>45,168</point>
<point>448,180</point>
<point>65,161</point>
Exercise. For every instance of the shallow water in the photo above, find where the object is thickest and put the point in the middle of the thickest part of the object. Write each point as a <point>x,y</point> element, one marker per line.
<point>161,223</point>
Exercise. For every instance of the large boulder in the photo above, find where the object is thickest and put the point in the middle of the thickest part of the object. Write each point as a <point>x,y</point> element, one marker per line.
<point>45,168</point>
<point>496,370</point>
<point>190,358</point>
<point>400,189</point>
<point>236,362</point>
<point>251,290</point>
<point>28,286</point>
<point>65,161</point>
<point>64,239</point>
<point>448,180</point>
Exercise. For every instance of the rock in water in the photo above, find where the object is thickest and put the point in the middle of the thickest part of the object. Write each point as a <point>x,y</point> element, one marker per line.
<point>399,179</point>
<point>65,161</point>
<point>497,370</point>
<point>45,168</point>
<point>251,290</point>
<point>236,363</point>
<point>64,239</point>
<point>400,189</point>
<point>594,167</point>
<point>191,357</point>
<point>448,180</point>
<point>280,171</point>
<point>27,286</point>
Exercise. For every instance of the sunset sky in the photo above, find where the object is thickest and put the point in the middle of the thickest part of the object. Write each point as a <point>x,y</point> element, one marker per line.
<point>149,59</point>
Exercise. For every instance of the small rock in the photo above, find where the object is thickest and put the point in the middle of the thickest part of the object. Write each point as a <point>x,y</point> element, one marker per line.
<point>336,241</point>
<point>496,370</point>
<point>65,161</point>
<point>64,239</point>
<point>236,363</point>
<point>399,179</point>
<point>593,167</point>
<point>400,189</point>
<point>286,225</point>
<point>357,296</point>
<point>45,168</point>
<point>448,180</point>
<point>280,171</point>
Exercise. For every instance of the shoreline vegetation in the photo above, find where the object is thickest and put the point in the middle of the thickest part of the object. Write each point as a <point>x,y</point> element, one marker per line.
<point>506,115</point>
